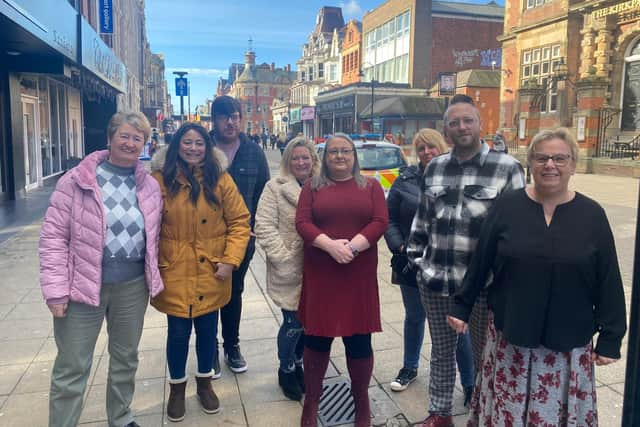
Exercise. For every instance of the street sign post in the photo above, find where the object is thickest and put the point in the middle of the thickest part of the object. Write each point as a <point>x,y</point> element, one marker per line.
<point>182,88</point>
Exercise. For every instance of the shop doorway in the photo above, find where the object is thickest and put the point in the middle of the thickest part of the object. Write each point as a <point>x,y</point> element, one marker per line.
<point>31,143</point>
<point>74,123</point>
<point>631,102</point>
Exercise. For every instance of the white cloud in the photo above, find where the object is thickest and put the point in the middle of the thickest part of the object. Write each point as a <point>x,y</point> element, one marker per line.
<point>200,71</point>
<point>351,8</point>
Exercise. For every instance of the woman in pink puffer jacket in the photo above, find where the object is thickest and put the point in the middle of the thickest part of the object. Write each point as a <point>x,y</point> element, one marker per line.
<point>99,259</point>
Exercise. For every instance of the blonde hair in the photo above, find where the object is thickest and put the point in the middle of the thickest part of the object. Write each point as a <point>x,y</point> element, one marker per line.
<point>432,138</point>
<point>285,162</point>
<point>549,134</point>
<point>137,120</point>
<point>323,179</point>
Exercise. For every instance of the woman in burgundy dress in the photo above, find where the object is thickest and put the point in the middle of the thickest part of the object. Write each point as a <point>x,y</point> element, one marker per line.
<point>341,216</point>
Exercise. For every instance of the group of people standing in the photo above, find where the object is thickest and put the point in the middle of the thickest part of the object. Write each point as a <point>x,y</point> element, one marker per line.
<point>491,266</point>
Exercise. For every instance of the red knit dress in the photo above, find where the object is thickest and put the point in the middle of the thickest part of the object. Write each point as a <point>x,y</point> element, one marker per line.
<point>340,300</point>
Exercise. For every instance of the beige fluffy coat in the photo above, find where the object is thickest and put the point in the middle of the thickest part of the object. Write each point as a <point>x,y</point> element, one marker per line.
<point>276,233</point>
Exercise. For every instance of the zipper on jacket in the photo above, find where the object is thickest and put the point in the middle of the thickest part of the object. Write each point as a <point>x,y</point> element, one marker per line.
<point>190,308</point>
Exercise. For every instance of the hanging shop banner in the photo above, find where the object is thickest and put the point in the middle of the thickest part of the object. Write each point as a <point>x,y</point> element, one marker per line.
<point>447,84</point>
<point>307,113</point>
<point>106,16</point>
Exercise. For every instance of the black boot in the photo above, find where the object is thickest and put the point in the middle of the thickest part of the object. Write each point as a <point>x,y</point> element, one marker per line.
<point>289,384</point>
<point>300,376</point>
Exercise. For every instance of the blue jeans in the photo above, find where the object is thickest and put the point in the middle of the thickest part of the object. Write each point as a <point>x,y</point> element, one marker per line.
<point>464,357</point>
<point>414,321</point>
<point>290,342</point>
<point>179,332</point>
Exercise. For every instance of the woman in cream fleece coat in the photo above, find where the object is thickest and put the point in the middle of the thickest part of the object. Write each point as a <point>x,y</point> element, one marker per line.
<point>276,233</point>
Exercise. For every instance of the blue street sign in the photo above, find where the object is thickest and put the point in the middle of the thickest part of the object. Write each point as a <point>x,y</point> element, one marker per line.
<point>182,88</point>
<point>106,16</point>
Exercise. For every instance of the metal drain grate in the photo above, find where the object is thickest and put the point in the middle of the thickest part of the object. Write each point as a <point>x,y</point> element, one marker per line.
<point>336,403</point>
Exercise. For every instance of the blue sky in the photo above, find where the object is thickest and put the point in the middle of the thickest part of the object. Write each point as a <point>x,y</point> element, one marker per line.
<point>204,37</point>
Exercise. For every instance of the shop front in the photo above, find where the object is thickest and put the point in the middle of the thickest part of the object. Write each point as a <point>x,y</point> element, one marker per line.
<point>103,80</point>
<point>308,116</point>
<point>295,122</point>
<point>336,115</point>
<point>39,93</point>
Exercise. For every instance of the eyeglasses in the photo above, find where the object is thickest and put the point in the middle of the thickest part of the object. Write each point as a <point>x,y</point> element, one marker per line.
<point>467,121</point>
<point>557,159</point>
<point>343,151</point>
<point>225,117</point>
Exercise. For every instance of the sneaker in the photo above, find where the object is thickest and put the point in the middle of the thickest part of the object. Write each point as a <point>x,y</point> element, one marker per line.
<point>217,371</point>
<point>234,359</point>
<point>405,377</point>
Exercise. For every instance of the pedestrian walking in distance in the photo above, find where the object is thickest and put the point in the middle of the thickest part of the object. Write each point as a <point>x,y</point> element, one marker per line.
<point>99,259</point>
<point>204,234</point>
<point>341,216</point>
<point>402,203</point>
<point>276,233</point>
<point>549,248</point>
<point>457,191</point>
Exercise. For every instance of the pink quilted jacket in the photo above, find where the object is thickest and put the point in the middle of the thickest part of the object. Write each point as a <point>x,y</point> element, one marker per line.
<point>72,236</point>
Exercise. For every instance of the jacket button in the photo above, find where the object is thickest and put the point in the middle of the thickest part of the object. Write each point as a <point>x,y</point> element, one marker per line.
<point>204,220</point>
<point>200,298</point>
<point>201,259</point>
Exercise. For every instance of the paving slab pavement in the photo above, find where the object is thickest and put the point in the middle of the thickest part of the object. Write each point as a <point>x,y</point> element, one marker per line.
<point>251,399</point>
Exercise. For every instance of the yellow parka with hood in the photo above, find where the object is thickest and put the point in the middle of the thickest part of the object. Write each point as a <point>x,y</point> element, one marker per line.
<point>194,238</point>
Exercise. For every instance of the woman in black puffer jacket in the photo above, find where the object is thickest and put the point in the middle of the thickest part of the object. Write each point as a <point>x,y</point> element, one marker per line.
<point>402,203</point>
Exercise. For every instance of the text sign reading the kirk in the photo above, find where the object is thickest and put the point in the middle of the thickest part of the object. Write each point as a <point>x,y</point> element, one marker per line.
<point>182,89</point>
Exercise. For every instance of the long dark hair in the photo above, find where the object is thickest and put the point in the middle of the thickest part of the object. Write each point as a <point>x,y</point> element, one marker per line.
<point>173,163</point>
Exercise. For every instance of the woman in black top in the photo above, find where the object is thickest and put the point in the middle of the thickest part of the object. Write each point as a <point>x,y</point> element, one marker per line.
<point>556,282</point>
<point>402,203</point>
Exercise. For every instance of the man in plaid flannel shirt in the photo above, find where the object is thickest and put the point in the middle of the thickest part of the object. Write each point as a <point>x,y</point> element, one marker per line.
<point>458,189</point>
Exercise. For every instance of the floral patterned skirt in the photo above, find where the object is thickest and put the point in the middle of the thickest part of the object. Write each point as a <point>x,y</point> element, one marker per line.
<point>519,386</point>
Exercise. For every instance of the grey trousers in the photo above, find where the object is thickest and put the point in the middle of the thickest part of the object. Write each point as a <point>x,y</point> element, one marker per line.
<point>442,375</point>
<point>124,306</point>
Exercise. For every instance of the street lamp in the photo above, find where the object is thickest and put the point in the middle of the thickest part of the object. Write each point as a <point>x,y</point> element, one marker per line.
<point>373,82</point>
<point>180,91</point>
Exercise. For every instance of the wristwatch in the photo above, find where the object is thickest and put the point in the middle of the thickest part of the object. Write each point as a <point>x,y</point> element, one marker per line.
<point>354,251</point>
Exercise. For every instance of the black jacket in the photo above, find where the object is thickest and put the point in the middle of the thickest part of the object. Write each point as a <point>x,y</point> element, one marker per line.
<point>250,172</point>
<point>553,285</point>
<point>402,203</point>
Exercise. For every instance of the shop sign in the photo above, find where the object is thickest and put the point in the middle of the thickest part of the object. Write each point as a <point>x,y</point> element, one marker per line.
<point>106,16</point>
<point>307,113</point>
<point>617,9</point>
<point>294,115</point>
<point>56,25</point>
<point>344,103</point>
<point>98,58</point>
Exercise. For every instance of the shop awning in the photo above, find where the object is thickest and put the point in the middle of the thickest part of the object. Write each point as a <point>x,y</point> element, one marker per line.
<point>405,107</point>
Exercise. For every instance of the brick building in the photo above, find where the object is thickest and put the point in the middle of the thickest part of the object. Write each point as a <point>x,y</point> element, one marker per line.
<point>575,64</point>
<point>256,87</point>
<point>460,36</point>
<point>351,52</point>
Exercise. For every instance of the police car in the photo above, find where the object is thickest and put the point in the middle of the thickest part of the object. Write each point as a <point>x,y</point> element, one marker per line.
<point>377,159</point>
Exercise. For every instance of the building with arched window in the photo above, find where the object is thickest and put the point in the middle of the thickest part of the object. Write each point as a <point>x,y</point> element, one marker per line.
<point>575,64</point>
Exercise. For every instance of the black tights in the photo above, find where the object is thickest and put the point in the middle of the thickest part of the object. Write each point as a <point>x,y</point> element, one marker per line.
<point>356,346</point>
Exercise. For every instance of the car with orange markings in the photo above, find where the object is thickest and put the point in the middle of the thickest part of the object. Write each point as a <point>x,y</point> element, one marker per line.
<point>378,159</point>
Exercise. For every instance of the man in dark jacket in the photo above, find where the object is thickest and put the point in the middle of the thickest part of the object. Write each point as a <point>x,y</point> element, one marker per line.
<point>250,171</point>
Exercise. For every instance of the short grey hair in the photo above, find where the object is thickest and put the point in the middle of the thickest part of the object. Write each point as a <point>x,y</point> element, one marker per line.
<point>132,118</point>
<point>323,180</point>
<point>561,133</point>
<point>300,141</point>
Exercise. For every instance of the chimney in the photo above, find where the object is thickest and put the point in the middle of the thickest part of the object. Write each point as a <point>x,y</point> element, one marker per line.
<point>288,68</point>
<point>273,66</point>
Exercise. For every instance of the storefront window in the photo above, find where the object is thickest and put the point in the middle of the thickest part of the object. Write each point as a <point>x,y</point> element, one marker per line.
<point>45,126</point>
<point>59,153</point>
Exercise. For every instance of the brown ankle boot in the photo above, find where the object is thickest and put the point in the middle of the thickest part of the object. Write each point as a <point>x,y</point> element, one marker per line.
<point>208,399</point>
<point>175,405</point>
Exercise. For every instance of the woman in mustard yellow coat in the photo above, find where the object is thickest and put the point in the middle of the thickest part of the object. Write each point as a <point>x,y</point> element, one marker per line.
<point>203,237</point>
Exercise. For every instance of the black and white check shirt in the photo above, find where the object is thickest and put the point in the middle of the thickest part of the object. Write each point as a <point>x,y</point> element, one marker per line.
<point>454,200</point>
